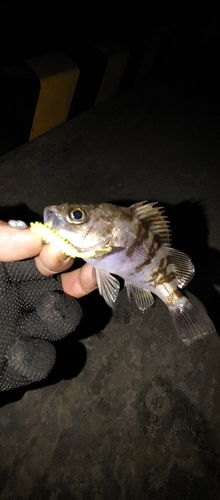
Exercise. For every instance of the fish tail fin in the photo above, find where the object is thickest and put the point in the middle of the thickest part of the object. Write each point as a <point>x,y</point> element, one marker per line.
<point>190,322</point>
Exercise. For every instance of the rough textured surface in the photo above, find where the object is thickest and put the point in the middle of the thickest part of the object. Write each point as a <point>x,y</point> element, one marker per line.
<point>130,413</point>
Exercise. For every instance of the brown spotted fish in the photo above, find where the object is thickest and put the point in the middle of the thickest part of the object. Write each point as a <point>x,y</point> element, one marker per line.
<point>133,243</point>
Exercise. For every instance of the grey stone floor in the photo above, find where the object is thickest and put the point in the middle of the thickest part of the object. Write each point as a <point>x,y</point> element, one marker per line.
<point>130,412</point>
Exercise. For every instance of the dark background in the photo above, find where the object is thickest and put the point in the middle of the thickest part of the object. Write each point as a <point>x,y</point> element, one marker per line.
<point>182,36</point>
<point>179,42</point>
<point>30,28</point>
<point>129,412</point>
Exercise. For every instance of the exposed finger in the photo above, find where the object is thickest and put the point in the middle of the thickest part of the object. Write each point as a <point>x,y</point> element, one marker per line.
<point>50,261</point>
<point>79,282</point>
<point>17,244</point>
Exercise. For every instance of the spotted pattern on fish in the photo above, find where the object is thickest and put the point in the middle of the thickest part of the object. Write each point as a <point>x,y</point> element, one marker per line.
<point>171,300</point>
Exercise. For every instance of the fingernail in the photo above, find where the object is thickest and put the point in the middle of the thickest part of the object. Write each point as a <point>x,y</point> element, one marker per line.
<point>17,224</point>
<point>65,259</point>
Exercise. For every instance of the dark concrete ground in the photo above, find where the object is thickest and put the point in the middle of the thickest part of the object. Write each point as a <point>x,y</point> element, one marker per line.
<point>130,412</point>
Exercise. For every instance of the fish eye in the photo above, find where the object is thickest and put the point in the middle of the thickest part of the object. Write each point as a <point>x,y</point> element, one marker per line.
<point>76,215</point>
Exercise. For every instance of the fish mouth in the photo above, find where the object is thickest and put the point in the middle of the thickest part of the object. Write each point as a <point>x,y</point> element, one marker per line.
<point>54,220</point>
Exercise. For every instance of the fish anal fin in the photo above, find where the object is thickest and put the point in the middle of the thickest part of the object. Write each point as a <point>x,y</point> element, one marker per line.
<point>108,286</point>
<point>182,266</point>
<point>154,216</point>
<point>191,323</point>
<point>143,298</point>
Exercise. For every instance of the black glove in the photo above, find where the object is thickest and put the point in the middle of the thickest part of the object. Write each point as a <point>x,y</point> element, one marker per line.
<point>33,310</point>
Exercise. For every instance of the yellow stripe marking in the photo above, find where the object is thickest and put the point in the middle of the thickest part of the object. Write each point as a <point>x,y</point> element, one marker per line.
<point>58,76</point>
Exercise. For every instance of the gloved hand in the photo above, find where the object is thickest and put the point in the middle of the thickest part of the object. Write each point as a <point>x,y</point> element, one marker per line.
<point>33,310</point>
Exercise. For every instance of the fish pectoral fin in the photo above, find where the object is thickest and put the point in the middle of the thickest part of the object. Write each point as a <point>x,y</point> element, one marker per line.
<point>108,286</point>
<point>143,298</point>
<point>182,266</point>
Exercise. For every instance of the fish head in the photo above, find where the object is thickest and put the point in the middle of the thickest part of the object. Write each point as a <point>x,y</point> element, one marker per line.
<point>89,227</point>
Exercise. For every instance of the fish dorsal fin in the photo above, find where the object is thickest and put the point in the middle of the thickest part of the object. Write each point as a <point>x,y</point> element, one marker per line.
<point>182,266</point>
<point>155,218</point>
<point>108,286</point>
<point>142,297</point>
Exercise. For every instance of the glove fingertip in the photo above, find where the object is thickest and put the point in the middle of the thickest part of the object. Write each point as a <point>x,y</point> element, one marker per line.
<point>28,360</point>
<point>60,313</point>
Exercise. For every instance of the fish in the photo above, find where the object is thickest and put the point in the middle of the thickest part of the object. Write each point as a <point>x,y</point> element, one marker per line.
<point>133,243</point>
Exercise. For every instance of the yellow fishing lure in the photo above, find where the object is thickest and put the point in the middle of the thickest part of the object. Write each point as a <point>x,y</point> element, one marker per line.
<point>53,237</point>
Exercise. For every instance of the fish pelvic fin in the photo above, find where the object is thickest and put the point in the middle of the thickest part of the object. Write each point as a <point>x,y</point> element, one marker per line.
<point>108,286</point>
<point>191,323</point>
<point>143,298</point>
<point>182,266</point>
